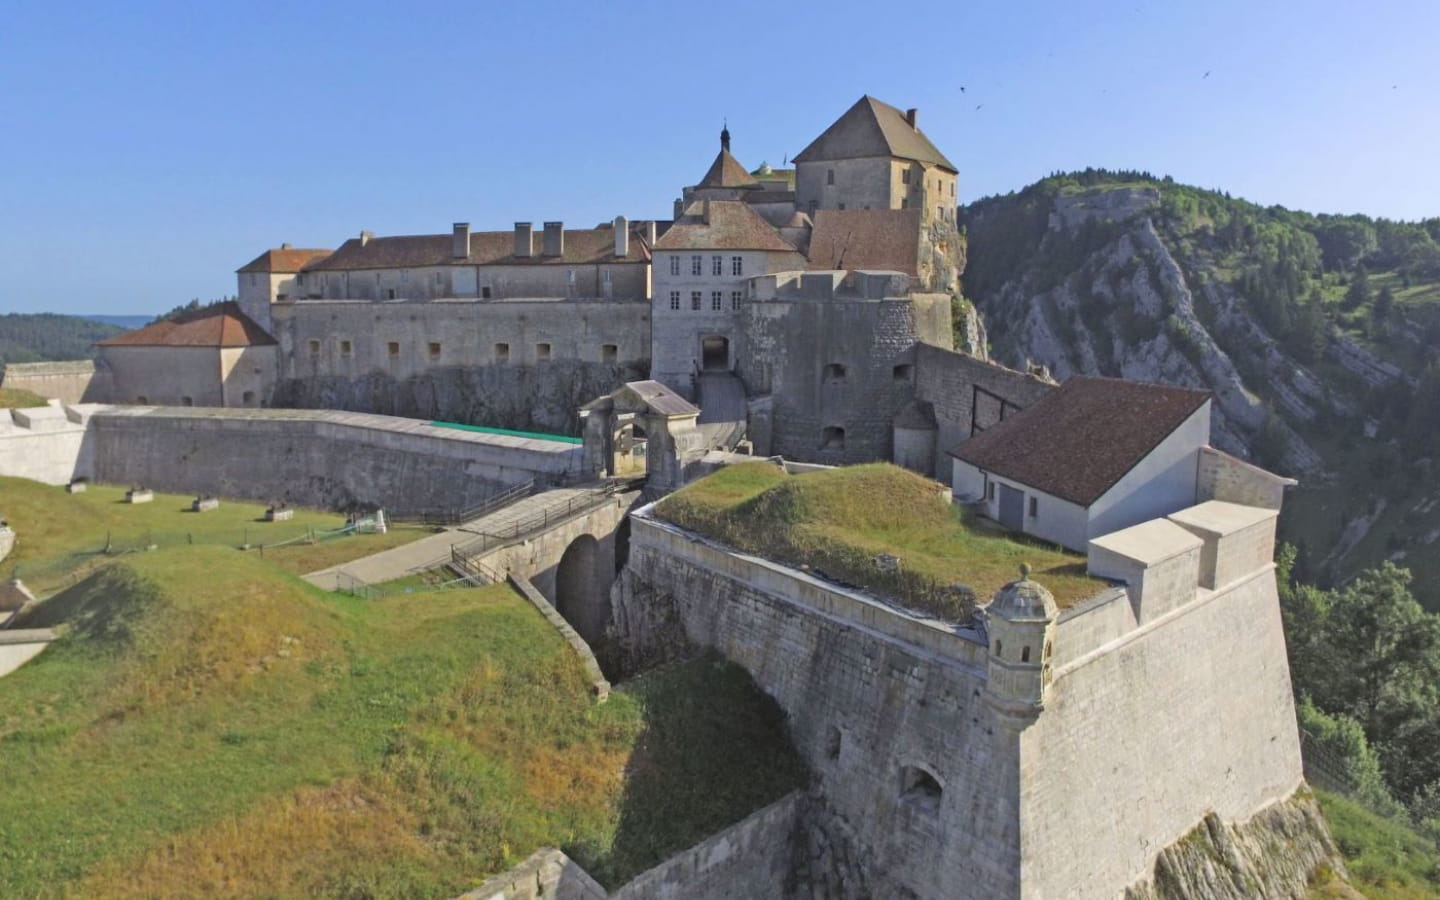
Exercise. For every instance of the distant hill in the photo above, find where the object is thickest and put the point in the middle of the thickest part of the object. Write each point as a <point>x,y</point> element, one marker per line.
<point>41,337</point>
<point>1319,334</point>
<point>126,322</point>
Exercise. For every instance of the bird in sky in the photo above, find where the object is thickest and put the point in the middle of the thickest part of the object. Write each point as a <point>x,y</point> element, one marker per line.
<point>962,88</point>
<point>977,107</point>
<point>1206,75</point>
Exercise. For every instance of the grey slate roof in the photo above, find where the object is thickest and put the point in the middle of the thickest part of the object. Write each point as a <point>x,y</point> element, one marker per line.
<point>662,399</point>
<point>871,128</point>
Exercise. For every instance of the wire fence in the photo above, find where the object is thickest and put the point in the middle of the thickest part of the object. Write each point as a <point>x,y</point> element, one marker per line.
<point>345,583</point>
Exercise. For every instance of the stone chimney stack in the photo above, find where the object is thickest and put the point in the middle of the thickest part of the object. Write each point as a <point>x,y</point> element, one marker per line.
<point>650,233</point>
<point>524,240</point>
<point>286,246</point>
<point>460,241</point>
<point>910,117</point>
<point>554,239</point>
<point>622,237</point>
<point>366,237</point>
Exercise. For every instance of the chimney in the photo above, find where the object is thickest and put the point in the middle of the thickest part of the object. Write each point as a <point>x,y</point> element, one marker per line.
<point>649,227</point>
<point>524,240</point>
<point>554,241</point>
<point>910,115</point>
<point>460,241</point>
<point>287,246</point>
<point>366,237</point>
<point>622,237</point>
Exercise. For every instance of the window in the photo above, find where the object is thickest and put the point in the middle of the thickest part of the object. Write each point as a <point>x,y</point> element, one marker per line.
<point>248,398</point>
<point>187,401</point>
<point>904,176</point>
<point>674,299</point>
<point>142,399</point>
<point>717,265</point>
<point>609,353</point>
<point>735,298</point>
<point>737,265</point>
<point>390,294</point>
<point>570,277</point>
<point>990,491</point>
<point>1024,654</point>
<point>675,265</point>
<point>842,206</point>
<point>695,297</point>
<point>716,300</point>
<point>542,352</point>
<point>903,372</point>
<point>485,292</point>
<point>998,648</point>
<point>502,353</point>
<point>940,212</point>
<point>439,279</point>
<point>314,348</point>
<point>344,348</point>
<point>434,349</point>
<point>696,264</point>
<point>834,372</point>
<point>605,277</point>
<point>1034,507</point>
<point>832,438</point>
<point>393,348</point>
<point>832,747</point>
<point>920,789</point>
<point>829,176</point>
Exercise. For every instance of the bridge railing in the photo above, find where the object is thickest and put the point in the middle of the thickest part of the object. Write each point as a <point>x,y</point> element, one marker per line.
<point>543,519</point>
<point>484,507</point>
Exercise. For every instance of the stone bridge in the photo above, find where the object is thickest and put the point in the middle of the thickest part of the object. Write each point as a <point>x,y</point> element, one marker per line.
<point>569,543</point>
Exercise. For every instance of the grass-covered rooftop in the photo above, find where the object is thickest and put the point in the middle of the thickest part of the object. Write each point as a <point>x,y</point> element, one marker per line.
<point>839,521</point>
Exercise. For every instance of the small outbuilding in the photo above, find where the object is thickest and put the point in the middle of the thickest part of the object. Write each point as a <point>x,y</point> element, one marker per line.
<point>214,356</point>
<point>1094,456</point>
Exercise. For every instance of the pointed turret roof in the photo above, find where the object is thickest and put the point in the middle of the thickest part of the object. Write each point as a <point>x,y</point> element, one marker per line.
<point>726,171</point>
<point>871,128</point>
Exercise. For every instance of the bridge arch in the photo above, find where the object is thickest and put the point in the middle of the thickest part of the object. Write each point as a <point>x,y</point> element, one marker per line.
<point>582,589</point>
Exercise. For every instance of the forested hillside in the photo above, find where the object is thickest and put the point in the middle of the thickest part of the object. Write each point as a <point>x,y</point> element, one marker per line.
<point>38,337</point>
<point>1320,336</point>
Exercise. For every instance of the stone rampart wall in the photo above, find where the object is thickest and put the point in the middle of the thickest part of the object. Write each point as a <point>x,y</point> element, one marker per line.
<point>48,444</point>
<point>948,381</point>
<point>327,459</point>
<point>71,381</point>
<point>873,697</point>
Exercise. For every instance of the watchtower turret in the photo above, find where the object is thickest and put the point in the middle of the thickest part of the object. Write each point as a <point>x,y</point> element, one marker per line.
<point>1021,627</point>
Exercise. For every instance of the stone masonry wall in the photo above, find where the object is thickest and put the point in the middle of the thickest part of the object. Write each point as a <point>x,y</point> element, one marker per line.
<point>948,380</point>
<point>1223,477</point>
<point>326,459</point>
<point>873,696</point>
<point>72,381</point>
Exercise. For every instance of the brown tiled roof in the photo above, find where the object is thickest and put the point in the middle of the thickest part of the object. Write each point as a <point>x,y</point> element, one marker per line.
<point>582,246</point>
<point>221,325</point>
<point>283,260</point>
<point>722,225</point>
<point>1082,438</point>
<point>726,171</point>
<point>871,128</point>
<point>884,239</point>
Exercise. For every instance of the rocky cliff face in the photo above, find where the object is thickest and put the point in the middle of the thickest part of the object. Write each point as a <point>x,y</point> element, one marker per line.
<point>1284,852</point>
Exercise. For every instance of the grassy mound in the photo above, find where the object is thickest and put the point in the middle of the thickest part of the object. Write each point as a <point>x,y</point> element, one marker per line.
<point>60,533</point>
<point>211,726</point>
<point>17,398</point>
<point>838,521</point>
<point>1387,861</point>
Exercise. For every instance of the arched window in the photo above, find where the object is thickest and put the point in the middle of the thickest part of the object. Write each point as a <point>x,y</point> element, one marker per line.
<point>920,789</point>
<point>832,438</point>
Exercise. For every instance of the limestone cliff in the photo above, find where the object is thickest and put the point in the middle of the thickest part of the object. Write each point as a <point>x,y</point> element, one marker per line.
<point>1284,852</point>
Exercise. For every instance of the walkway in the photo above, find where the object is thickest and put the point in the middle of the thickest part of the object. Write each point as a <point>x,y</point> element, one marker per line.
<point>433,551</point>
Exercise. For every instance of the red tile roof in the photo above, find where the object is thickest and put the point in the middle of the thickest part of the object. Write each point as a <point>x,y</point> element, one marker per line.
<point>870,129</point>
<point>582,246</point>
<point>886,239</point>
<point>283,260</point>
<point>722,225</point>
<point>221,325</point>
<point>727,172</point>
<point>1079,440</point>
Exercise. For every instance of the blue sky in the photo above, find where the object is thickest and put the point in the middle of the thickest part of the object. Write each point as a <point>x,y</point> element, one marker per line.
<point>150,149</point>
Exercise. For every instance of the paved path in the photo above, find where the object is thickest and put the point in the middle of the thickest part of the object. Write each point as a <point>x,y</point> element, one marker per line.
<point>430,552</point>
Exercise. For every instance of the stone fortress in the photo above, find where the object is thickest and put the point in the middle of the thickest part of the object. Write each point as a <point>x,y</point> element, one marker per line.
<point>808,314</point>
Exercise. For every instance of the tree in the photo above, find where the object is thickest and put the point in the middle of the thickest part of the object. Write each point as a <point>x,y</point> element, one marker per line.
<point>1359,293</point>
<point>1384,304</point>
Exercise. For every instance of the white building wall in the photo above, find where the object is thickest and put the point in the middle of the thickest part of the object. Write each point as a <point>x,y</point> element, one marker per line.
<point>1163,482</point>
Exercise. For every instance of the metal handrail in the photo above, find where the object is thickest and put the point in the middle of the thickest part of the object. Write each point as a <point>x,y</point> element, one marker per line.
<point>483,508</point>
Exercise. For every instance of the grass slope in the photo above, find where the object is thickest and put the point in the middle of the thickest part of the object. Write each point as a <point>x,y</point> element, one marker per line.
<point>1386,860</point>
<point>211,726</point>
<point>839,520</point>
<point>58,530</point>
<point>18,398</point>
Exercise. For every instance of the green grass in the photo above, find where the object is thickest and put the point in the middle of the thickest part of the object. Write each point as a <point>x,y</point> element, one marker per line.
<point>211,726</point>
<point>838,521</point>
<point>16,398</point>
<point>1387,861</point>
<point>53,526</point>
